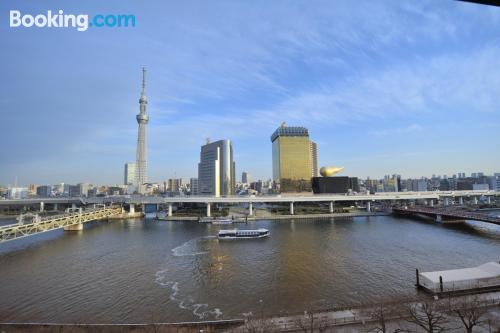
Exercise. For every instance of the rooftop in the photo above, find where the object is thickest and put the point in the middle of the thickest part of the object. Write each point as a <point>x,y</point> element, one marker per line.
<point>289,131</point>
<point>488,270</point>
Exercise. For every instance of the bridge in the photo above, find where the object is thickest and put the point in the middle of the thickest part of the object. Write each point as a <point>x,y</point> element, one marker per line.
<point>68,221</point>
<point>447,214</point>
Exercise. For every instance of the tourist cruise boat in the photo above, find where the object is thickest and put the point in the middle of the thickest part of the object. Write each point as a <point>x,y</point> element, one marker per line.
<point>222,221</point>
<point>243,234</point>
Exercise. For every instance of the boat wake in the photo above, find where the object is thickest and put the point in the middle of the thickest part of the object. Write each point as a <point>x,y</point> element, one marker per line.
<point>192,247</point>
<point>200,310</point>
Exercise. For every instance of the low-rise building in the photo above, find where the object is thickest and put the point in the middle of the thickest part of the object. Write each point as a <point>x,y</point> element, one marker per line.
<point>17,192</point>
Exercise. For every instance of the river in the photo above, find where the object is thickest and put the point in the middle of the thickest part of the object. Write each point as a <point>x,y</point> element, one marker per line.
<point>148,271</point>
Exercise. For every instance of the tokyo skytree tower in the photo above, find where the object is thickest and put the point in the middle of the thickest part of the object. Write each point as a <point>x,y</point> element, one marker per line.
<point>141,168</point>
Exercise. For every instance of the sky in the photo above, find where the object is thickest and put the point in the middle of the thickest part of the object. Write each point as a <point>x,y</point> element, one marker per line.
<point>407,87</point>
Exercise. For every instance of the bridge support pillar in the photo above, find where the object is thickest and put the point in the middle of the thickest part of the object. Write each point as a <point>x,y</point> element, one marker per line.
<point>461,200</point>
<point>250,208</point>
<point>475,200</point>
<point>42,206</point>
<point>208,209</point>
<point>331,207</point>
<point>169,209</point>
<point>439,218</point>
<point>488,200</point>
<point>73,206</point>
<point>74,227</point>
<point>131,209</point>
<point>291,208</point>
<point>368,206</point>
<point>446,202</point>
<point>431,202</point>
<point>55,207</point>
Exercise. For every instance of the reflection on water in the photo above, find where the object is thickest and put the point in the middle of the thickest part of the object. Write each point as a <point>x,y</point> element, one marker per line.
<point>137,270</point>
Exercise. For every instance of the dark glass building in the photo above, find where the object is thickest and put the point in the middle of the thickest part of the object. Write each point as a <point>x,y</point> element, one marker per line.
<point>323,185</point>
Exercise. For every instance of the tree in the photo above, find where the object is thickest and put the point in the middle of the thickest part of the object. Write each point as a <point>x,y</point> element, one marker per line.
<point>381,314</point>
<point>428,315</point>
<point>258,325</point>
<point>311,322</point>
<point>470,311</point>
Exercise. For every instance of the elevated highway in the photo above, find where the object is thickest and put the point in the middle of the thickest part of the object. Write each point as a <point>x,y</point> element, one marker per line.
<point>286,198</point>
<point>427,198</point>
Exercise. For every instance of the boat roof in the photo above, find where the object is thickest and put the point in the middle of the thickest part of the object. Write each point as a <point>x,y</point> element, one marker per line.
<point>236,230</point>
<point>488,270</point>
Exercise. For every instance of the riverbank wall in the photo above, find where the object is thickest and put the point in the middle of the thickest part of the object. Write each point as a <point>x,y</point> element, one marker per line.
<point>189,327</point>
<point>283,217</point>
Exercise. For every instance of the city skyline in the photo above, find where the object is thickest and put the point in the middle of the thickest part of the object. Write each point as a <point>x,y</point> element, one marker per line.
<point>413,95</point>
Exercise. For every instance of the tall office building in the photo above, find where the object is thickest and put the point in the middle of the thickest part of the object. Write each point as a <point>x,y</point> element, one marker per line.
<point>216,169</point>
<point>314,159</point>
<point>246,178</point>
<point>141,170</point>
<point>292,166</point>
<point>129,174</point>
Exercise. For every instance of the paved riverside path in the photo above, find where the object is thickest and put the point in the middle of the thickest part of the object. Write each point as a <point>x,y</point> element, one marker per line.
<point>359,319</point>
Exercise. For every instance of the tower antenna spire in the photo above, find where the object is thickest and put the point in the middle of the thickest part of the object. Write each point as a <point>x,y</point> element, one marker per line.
<point>143,80</point>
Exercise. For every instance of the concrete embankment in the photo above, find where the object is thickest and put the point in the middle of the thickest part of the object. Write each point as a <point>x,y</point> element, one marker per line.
<point>206,327</point>
<point>282,217</point>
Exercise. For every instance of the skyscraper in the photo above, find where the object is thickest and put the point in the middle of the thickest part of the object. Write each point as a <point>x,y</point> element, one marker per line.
<point>129,174</point>
<point>246,178</point>
<point>141,169</point>
<point>292,167</point>
<point>216,169</point>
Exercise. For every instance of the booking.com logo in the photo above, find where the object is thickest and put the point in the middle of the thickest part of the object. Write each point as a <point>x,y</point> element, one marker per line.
<point>60,20</point>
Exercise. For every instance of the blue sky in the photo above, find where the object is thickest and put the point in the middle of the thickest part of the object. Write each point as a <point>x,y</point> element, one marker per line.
<point>408,87</point>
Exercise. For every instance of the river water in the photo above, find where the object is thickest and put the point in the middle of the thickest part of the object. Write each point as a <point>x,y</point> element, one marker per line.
<point>144,270</point>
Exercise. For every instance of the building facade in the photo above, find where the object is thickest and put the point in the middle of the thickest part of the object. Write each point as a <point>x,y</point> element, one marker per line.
<point>129,174</point>
<point>314,159</point>
<point>44,191</point>
<point>342,184</point>
<point>246,178</point>
<point>17,192</point>
<point>417,185</point>
<point>216,170</point>
<point>292,165</point>
<point>193,186</point>
<point>494,183</point>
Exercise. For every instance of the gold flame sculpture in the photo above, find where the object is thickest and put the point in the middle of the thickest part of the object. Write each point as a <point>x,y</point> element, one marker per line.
<point>330,171</point>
